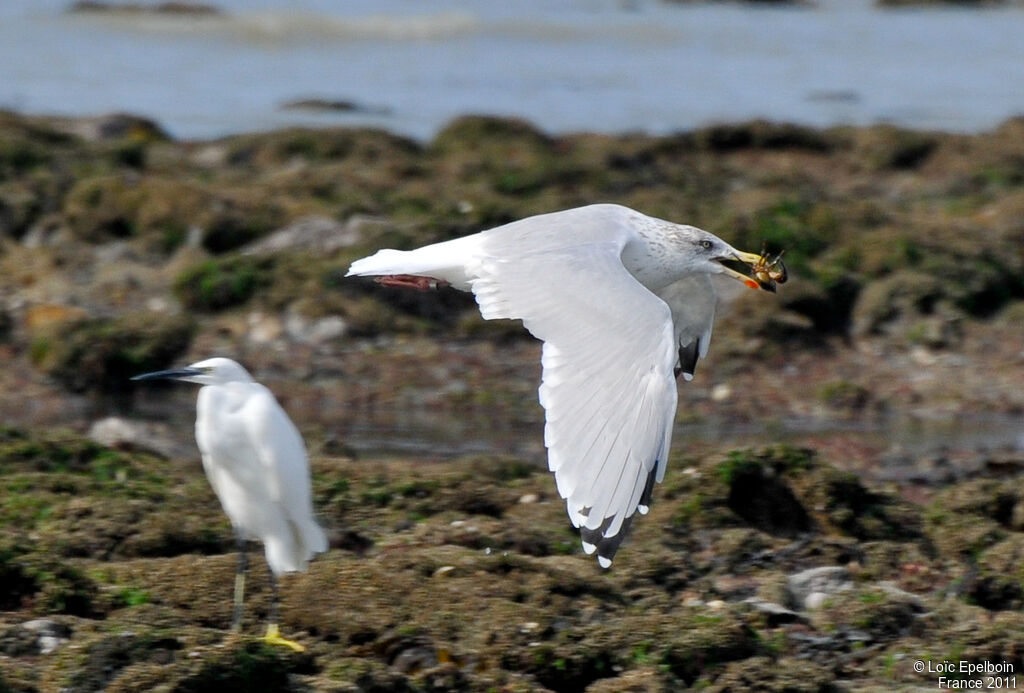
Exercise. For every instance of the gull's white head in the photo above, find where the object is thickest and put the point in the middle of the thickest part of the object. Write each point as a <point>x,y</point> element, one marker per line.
<point>706,252</point>
<point>215,371</point>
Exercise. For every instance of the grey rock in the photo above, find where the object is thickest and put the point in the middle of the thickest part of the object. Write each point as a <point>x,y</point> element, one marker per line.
<point>173,7</point>
<point>414,659</point>
<point>318,331</point>
<point>50,634</point>
<point>117,432</point>
<point>318,105</point>
<point>112,126</point>
<point>809,589</point>
<point>776,613</point>
<point>901,595</point>
<point>321,234</point>
<point>48,232</point>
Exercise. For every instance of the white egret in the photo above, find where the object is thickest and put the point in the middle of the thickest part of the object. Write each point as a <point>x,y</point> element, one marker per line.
<point>623,303</point>
<point>257,465</point>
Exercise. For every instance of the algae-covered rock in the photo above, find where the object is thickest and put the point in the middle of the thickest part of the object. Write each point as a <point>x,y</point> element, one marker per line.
<point>759,496</point>
<point>125,205</point>
<point>248,666</point>
<point>763,134</point>
<point>214,285</point>
<point>846,505</point>
<point>101,355</point>
<point>882,613</point>
<point>43,583</point>
<point>999,582</point>
<point>903,295</point>
<point>704,644</point>
<point>887,147</point>
<point>791,675</point>
<point>512,156</point>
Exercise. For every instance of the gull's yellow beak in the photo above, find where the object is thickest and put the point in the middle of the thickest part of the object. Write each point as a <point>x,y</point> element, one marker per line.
<point>754,260</point>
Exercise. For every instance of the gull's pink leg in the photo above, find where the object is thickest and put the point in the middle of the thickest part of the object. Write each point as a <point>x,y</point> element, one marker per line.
<point>411,281</point>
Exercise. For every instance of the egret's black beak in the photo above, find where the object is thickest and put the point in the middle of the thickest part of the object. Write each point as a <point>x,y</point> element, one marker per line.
<point>174,374</point>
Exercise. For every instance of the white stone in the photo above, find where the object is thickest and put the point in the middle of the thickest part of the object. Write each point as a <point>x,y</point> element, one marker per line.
<point>721,392</point>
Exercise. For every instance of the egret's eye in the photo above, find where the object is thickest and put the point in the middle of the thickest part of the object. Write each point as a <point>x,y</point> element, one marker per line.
<point>706,245</point>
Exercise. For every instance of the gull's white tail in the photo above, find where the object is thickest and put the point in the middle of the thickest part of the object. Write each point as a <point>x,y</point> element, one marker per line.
<point>447,261</point>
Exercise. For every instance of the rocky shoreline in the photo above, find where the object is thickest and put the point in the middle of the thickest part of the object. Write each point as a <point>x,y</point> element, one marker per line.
<point>832,565</point>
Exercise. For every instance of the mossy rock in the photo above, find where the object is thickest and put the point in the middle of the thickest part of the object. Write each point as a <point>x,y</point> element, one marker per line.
<point>101,354</point>
<point>98,209</point>
<point>20,206</point>
<point>993,499</point>
<point>566,669</point>
<point>803,227</point>
<point>786,491</point>
<point>121,205</point>
<point>769,325</point>
<point>842,503</point>
<point>249,666</point>
<point>216,284</point>
<point>360,146</point>
<point>844,395</point>
<point>510,155</point>
<point>704,644</point>
<point>237,220</point>
<point>886,147</point>
<point>763,134</point>
<point>883,614</point>
<point>784,675</point>
<point>747,488</point>
<point>53,451</point>
<point>486,132</point>
<point>898,297</point>
<point>43,583</point>
<point>999,583</point>
<point>759,495</point>
<point>27,145</point>
<point>104,661</point>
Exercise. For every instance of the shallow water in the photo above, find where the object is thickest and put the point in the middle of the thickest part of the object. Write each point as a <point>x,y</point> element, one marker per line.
<point>601,65</point>
<point>431,434</point>
<point>441,437</point>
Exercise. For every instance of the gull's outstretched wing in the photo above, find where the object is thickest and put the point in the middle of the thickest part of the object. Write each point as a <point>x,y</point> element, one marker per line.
<point>692,302</point>
<point>609,350</point>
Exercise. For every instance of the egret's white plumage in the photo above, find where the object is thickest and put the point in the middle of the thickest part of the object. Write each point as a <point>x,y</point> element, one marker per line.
<point>622,302</point>
<point>256,463</point>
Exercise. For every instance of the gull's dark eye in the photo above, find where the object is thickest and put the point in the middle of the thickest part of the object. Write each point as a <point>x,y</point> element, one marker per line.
<point>706,245</point>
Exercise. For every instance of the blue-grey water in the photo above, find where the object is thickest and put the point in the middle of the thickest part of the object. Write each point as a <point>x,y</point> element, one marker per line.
<point>567,65</point>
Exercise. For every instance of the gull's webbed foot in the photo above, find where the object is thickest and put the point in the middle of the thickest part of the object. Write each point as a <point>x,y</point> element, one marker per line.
<point>411,281</point>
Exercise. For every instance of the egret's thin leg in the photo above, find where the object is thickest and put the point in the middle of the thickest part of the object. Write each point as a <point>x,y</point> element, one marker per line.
<point>243,563</point>
<point>273,636</point>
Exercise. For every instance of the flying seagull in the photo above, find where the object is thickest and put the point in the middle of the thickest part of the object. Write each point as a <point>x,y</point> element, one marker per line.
<point>256,462</point>
<point>624,303</point>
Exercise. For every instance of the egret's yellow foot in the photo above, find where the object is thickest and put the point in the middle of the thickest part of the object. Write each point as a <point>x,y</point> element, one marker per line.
<point>273,637</point>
